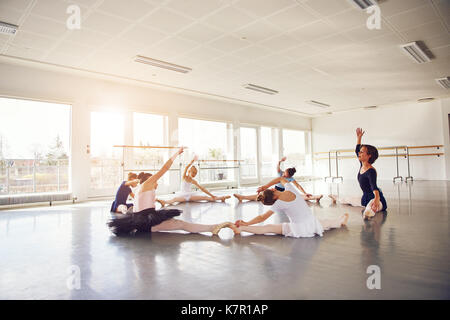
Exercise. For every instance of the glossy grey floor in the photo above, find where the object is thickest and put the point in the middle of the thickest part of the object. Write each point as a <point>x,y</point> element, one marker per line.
<point>66,252</point>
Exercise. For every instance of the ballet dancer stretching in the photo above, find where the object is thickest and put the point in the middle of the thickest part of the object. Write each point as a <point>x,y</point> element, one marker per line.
<point>372,199</point>
<point>120,204</point>
<point>302,222</point>
<point>186,194</point>
<point>287,174</point>
<point>145,218</point>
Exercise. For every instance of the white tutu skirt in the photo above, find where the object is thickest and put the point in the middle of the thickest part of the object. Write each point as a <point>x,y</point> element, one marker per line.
<point>186,195</point>
<point>306,229</point>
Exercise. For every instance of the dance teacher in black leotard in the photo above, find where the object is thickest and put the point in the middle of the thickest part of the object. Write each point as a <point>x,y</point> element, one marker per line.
<point>373,198</point>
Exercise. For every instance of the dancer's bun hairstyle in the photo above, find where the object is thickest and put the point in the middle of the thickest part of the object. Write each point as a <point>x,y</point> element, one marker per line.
<point>143,176</point>
<point>266,197</point>
<point>291,172</point>
<point>132,176</point>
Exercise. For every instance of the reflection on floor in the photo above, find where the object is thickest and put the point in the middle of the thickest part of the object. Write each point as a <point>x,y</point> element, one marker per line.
<point>44,249</point>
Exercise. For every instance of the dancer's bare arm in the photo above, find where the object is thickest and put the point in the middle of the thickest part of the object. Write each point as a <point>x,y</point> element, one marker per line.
<point>359,134</point>
<point>255,220</point>
<point>154,178</point>
<point>187,167</point>
<point>301,188</point>
<point>279,163</point>
<point>202,188</point>
<point>281,180</point>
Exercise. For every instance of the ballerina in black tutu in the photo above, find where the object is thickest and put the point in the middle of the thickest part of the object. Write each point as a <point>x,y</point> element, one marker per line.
<point>145,218</point>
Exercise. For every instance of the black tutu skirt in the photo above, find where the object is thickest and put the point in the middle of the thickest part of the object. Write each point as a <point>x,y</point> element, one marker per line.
<point>142,221</point>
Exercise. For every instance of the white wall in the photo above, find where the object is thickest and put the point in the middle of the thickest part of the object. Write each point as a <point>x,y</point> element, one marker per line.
<point>86,93</point>
<point>411,124</point>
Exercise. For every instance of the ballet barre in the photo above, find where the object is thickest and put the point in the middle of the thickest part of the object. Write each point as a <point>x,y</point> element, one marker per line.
<point>236,166</point>
<point>125,147</point>
<point>335,154</point>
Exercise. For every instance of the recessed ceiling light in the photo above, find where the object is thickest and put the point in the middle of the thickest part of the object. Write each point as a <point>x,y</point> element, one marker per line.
<point>444,82</point>
<point>363,4</point>
<point>416,51</point>
<point>8,28</point>
<point>318,104</point>
<point>259,88</point>
<point>162,64</point>
<point>425,100</point>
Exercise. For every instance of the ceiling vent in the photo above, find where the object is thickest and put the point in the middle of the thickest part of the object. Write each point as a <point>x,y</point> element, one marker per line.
<point>259,89</point>
<point>416,51</point>
<point>162,64</point>
<point>318,104</point>
<point>8,28</point>
<point>370,107</point>
<point>363,4</point>
<point>425,100</point>
<point>444,82</point>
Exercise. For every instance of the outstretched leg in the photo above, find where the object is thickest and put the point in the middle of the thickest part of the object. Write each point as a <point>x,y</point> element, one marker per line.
<point>241,197</point>
<point>171,201</point>
<point>352,201</point>
<point>313,197</point>
<point>369,212</point>
<point>328,224</point>
<point>209,199</point>
<point>175,224</point>
<point>269,228</point>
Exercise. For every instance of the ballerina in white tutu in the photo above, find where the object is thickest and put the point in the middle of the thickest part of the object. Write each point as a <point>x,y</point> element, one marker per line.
<point>186,194</point>
<point>302,222</point>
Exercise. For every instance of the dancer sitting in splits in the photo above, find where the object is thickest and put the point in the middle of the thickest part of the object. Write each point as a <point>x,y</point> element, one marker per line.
<point>288,175</point>
<point>372,199</point>
<point>145,218</point>
<point>120,204</point>
<point>302,222</point>
<point>186,194</point>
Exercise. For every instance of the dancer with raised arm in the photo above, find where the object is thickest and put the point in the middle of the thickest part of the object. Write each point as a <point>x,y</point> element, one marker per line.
<point>120,204</point>
<point>186,194</point>
<point>302,222</point>
<point>145,218</point>
<point>372,198</point>
<point>287,174</point>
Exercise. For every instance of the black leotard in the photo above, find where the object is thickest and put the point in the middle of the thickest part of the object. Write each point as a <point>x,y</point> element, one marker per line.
<point>368,183</point>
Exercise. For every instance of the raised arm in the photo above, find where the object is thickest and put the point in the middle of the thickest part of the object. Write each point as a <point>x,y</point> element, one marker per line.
<point>359,134</point>
<point>202,188</point>
<point>154,178</point>
<point>278,165</point>
<point>255,220</point>
<point>187,167</point>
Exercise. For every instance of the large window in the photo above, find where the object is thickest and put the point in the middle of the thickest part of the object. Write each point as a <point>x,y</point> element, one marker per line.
<point>34,146</point>
<point>249,153</point>
<point>209,140</point>
<point>294,144</point>
<point>107,130</point>
<point>269,151</point>
<point>149,130</point>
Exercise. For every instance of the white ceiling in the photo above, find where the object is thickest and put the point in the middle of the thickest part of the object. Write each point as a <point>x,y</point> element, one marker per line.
<point>306,49</point>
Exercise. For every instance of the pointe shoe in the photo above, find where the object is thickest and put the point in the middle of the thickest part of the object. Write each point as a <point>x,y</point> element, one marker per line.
<point>219,227</point>
<point>344,223</point>
<point>320,197</point>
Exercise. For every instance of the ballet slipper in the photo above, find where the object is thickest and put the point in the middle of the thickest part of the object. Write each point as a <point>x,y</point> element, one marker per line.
<point>161,202</point>
<point>318,199</point>
<point>333,198</point>
<point>237,197</point>
<point>344,223</point>
<point>369,214</point>
<point>235,229</point>
<point>219,227</point>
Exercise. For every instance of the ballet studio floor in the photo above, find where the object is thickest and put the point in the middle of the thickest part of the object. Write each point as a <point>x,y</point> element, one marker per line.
<point>66,252</point>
